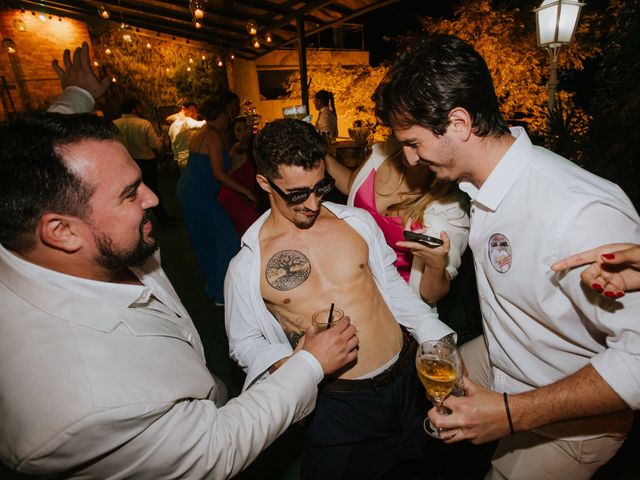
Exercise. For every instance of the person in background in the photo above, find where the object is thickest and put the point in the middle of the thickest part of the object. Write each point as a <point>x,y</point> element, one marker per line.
<point>143,144</point>
<point>302,256</point>
<point>557,372</point>
<point>182,126</point>
<point>240,209</point>
<point>403,197</point>
<point>614,268</point>
<point>232,101</point>
<point>107,377</point>
<point>210,229</point>
<point>327,122</point>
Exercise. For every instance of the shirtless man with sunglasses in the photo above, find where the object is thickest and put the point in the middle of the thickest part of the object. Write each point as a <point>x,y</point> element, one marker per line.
<point>300,257</point>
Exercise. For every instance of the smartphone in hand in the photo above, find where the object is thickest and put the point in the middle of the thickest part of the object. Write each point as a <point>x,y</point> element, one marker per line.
<point>419,237</point>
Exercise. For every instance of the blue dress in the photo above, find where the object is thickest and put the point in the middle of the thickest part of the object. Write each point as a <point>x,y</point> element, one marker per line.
<point>212,233</point>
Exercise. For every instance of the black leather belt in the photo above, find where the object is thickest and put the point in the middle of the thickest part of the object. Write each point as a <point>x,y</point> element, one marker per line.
<point>407,354</point>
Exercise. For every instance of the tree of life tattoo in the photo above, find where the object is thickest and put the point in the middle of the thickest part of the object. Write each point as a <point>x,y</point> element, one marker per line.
<point>287,269</point>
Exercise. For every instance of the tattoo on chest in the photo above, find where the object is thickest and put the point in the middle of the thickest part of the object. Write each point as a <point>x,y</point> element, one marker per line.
<point>287,269</point>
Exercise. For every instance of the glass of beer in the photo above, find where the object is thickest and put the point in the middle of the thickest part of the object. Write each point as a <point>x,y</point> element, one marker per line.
<point>439,369</point>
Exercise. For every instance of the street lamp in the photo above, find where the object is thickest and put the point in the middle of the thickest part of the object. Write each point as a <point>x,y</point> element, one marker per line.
<point>556,22</point>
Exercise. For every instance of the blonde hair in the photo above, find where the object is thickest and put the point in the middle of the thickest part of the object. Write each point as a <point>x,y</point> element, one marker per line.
<point>432,191</point>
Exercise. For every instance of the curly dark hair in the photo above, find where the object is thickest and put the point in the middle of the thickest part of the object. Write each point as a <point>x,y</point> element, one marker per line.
<point>34,176</point>
<point>440,73</point>
<point>287,142</point>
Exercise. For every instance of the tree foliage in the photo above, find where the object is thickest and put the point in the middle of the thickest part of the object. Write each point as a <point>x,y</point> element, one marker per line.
<point>156,76</point>
<point>352,87</point>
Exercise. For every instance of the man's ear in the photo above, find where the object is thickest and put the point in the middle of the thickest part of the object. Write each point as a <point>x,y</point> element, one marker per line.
<point>60,232</point>
<point>460,123</point>
<point>264,183</point>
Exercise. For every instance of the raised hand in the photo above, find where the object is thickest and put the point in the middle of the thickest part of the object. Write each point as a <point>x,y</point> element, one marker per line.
<point>78,72</point>
<point>614,269</point>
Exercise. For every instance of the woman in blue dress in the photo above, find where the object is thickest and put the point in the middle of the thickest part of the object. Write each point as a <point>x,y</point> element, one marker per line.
<point>212,233</point>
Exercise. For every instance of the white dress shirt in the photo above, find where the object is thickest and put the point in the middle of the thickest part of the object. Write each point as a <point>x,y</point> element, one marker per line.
<point>535,208</point>
<point>256,339</point>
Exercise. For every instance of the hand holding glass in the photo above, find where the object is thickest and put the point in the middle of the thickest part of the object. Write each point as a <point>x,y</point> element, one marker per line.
<point>439,369</point>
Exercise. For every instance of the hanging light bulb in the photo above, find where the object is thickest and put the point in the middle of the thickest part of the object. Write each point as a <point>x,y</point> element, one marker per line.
<point>107,51</point>
<point>232,56</point>
<point>188,69</point>
<point>255,42</point>
<point>190,60</point>
<point>95,63</point>
<point>19,25</point>
<point>204,57</point>
<point>197,23</point>
<point>197,8</point>
<point>267,37</point>
<point>104,12</point>
<point>9,45</point>
<point>127,38</point>
<point>114,79</point>
<point>219,62</point>
<point>148,45</point>
<point>252,27</point>
<point>42,17</point>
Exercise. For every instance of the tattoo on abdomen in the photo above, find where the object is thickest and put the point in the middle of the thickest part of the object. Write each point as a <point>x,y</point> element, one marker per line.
<point>287,269</point>
<point>294,337</point>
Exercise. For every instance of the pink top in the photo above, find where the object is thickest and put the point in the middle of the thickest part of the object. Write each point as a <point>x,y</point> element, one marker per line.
<point>392,227</point>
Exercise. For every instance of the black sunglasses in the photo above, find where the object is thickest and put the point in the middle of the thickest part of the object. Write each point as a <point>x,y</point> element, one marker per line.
<point>297,197</point>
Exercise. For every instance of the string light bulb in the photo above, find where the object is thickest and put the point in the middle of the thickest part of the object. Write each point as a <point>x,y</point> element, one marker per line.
<point>219,62</point>
<point>197,23</point>
<point>256,42</point>
<point>148,45</point>
<point>104,12</point>
<point>252,27</point>
<point>107,51</point>
<point>42,17</point>
<point>96,63</point>
<point>267,37</point>
<point>197,8</point>
<point>9,45</point>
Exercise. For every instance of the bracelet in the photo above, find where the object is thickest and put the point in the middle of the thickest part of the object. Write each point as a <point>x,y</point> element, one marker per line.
<point>506,407</point>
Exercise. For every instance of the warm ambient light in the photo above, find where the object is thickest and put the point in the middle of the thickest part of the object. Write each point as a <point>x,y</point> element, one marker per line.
<point>256,42</point>
<point>197,23</point>
<point>219,63</point>
<point>267,37</point>
<point>148,45</point>
<point>107,51</point>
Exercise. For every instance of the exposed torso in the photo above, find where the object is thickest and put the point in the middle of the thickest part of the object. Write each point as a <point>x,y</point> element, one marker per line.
<point>304,271</point>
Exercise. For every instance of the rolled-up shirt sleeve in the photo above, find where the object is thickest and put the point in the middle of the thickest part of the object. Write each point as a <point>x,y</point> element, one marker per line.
<point>616,321</point>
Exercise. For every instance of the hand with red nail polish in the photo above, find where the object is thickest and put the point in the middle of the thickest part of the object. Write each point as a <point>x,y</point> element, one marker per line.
<point>613,269</point>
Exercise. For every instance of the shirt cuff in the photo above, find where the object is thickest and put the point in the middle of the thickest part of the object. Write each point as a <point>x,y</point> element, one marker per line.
<point>73,100</point>
<point>318,373</point>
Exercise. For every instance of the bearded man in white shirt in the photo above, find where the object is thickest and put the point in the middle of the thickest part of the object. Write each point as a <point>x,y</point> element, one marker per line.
<point>555,376</point>
<point>103,373</point>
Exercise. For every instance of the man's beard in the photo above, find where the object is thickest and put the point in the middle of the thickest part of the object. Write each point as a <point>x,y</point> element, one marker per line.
<point>307,222</point>
<point>115,260</point>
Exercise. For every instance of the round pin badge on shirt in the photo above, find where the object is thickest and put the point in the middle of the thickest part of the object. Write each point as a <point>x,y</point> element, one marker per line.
<point>500,252</point>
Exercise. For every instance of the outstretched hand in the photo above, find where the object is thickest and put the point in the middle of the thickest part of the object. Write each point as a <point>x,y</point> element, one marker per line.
<point>614,269</point>
<point>78,72</point>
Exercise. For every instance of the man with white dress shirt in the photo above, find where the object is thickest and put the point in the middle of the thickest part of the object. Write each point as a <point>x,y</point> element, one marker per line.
<point>183,124</point>
<point>103,373</point>
<point>557,373</point>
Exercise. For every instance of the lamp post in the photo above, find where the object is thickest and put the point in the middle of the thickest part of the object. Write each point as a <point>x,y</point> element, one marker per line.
<point>556,22</point>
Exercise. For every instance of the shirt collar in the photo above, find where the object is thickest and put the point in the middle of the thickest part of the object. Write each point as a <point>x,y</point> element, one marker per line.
<point>251,236</point>
<point>502,177</point>
<point>123,295</point>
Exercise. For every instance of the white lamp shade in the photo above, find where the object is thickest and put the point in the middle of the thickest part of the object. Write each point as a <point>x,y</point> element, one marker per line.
<point>556,22</point>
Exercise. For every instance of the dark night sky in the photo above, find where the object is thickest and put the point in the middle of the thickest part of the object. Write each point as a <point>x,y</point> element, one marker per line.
<point>398,18</point>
